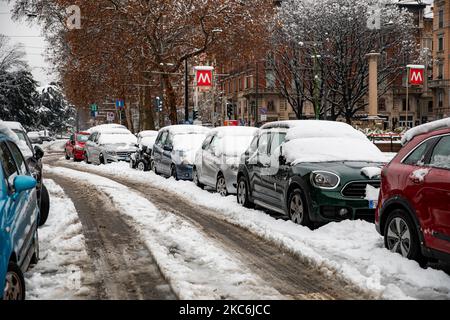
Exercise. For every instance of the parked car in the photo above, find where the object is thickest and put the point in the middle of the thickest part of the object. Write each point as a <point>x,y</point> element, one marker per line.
<point>106,145</point>
<point>33,157</point>
<point>19,216</point>
<point>312,171</point>
<point>74,147</point>
<point>46,136</point>
<point>142,158</point>
<point>35,137</point>
<point>175,148</point>
<point>413,211</point>
<point>217,161</point>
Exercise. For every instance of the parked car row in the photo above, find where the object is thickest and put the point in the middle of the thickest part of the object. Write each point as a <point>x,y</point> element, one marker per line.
<point>315,172</point>
<point>20,214</point>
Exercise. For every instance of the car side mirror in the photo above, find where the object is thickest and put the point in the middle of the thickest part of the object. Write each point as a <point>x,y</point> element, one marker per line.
<point>38,152</point>
<point>23,183</point>
<point>168,148</point>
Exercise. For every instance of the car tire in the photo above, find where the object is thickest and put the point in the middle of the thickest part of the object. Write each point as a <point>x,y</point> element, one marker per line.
<point>141,166</point>
<point>101,159</point>
<point>173,172</point>
<point>14,283</point>
<point>221,185</point>
<point>67,156</point>
<point>44,206</point>
<point>151,166</point>
<point>196,179</point>
<point>35,257</point>
<point>242,193</point>
<point>297,209</point>
<point>401,236</point>
<point>86,159</point>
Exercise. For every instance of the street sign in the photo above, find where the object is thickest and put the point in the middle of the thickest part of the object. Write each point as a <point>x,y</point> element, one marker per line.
<point>416,74</point>
<point>94,107</point>
<point>110,116</point>
<point>120,103</point>
<point>263,117</point>
<point>231,123</point>
<point>204,76</point>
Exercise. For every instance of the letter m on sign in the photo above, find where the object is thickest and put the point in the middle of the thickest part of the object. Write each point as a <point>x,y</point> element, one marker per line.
<point>204,78</point>
<point>416,76</point>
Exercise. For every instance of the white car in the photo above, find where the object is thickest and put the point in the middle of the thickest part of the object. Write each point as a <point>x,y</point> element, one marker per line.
<point>106,145</point>
<point>217,162</point>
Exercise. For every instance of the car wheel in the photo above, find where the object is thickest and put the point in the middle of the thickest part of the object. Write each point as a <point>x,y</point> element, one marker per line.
<point>86,159</point>
<point>297,210</point>
<point>242,193</point>
<point>173,172</point>
<point>67,156</point>
<point>221,186</point>
<point>401,236</point>
<point>141,166</point>
<point>14,283</point>
<point>44,206</point>
<point>196,179</point>
<point>101,159</point>
<point>151,166</point>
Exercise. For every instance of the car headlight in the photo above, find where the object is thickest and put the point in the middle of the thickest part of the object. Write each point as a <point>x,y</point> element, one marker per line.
<point>325,179</point>
<point>111,153</point>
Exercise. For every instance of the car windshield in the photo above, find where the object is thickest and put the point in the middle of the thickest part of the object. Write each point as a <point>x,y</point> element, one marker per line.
<point>20,135</point>
<point>234,146</point>
<point>117,138</point>
<point>82,138</point>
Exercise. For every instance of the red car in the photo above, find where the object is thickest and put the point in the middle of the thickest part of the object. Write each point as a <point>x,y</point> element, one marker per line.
<point>413,211</point>
<point>74,148</point>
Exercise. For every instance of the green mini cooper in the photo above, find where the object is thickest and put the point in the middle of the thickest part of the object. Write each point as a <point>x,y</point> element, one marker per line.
<point>312,171</point>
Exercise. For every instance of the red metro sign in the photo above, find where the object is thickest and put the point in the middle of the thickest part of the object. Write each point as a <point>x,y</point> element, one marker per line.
<point>416,74</point>
<point>204,76</point>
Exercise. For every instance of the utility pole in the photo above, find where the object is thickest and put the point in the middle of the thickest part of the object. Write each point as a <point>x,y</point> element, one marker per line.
<point>316,86</point>
<point>186,91</point>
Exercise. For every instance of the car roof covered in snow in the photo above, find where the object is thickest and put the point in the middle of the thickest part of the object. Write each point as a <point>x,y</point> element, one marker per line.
<point>148,133</point>
<point>13,125</point>
<point>185,129</point>
<point>233,131</point>
<point>425,128</point>
<point>106,127</point>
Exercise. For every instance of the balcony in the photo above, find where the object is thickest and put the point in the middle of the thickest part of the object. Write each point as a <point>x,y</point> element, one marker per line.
<point>441,83</point>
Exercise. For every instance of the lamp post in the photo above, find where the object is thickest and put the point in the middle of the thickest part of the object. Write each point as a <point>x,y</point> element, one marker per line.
<point>317,81</point>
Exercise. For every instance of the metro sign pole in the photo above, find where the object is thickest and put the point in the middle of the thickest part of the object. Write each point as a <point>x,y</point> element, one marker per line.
<point>415,77</point>
<point>203,79</point>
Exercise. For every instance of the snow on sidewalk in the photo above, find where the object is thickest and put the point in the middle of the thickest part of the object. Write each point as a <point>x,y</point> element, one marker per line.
<point>195,266</point>
<point>352,249</point>
<point>58,276</point>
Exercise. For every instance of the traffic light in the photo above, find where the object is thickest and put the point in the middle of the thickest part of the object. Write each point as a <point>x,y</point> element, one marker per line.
<point>158,104</point>
<point>229,110</point>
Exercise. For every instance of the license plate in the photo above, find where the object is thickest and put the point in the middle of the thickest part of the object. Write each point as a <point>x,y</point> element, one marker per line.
<point>373,204</point>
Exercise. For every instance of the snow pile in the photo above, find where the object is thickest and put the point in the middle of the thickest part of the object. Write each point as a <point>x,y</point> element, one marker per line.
<point>425,128</point>
<point>54,146</point>
<point>187,129</point>
<point>148,141</point>
<point>331,149</point>
<point>195,266</point>
<point>371,172</point>
<point>350,249</point>
<point>323,129</point>
<point>372,193</point>
<point>420,174</point>
<point>233,141</point>
<point>186,145</point>
<point>58,274</point>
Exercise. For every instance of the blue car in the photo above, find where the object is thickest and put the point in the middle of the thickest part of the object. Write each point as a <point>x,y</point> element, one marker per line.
<point>175,149</point>
<point>19,216</point>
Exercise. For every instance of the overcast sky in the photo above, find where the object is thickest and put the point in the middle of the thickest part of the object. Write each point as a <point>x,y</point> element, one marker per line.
<point>30,37</point>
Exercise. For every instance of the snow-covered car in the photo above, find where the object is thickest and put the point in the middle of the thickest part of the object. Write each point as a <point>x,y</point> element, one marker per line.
<point>142,158</point>
<point>106,145</point>
<point>217,161</point>
<point>33,157</point>
<point>46,136</point>
<point>312,171</point>
<point>35,137</point>
<point>175,149</point>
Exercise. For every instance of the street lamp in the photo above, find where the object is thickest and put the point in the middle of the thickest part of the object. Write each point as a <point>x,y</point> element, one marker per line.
<point>317,81</point>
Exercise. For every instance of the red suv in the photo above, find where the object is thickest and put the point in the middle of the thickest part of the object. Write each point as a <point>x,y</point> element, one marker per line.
<point>75,146</point>
<point>413,211</point>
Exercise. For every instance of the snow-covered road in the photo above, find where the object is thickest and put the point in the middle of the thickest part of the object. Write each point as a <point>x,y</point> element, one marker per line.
<point>351,249</point>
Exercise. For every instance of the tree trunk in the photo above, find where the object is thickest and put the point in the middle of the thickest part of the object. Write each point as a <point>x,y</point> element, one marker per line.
<point>148,118</point>
<point>170,101</point>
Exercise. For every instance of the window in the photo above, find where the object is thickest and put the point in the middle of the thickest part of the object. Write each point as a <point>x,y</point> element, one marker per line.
<point>440,99</point>
<point>441,43</point>
<point>430,106</point>
<point>169,140</point>
<point>404,105</point>
<point>440,70</point>
<point>270,79</point>
<point>82,138</point>
<point>417,157</point>
<point>213,146</point>
<point>441,154</point>
<point>17,155</point>
<point>253,146</point>
<point>382,105</point>
<point>271,106</point>
<point>277,139</point>
<point>263,144</point>
<point>441,18</point>
<point>8,164</point>
<point>162,138</point>
<point>206,143</point>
